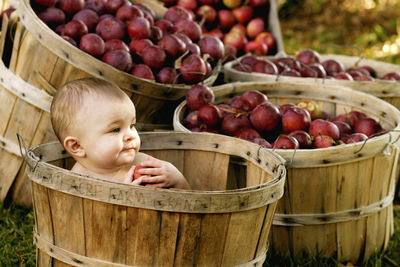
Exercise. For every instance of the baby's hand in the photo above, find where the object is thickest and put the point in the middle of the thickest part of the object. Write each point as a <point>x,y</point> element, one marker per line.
<point>133,176</point>
<point>159,173</point>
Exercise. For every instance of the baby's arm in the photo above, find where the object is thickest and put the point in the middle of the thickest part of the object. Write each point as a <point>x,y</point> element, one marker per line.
<point>159,173</point>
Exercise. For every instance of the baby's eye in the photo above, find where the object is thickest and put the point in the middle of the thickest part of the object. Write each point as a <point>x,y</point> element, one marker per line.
<point>115,130</point>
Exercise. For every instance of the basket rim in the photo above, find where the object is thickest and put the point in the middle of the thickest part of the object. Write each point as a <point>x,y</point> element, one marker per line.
<point>41,172</point>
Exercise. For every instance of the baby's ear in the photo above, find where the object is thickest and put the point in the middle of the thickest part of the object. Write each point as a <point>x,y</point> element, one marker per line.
<point>73,147</point>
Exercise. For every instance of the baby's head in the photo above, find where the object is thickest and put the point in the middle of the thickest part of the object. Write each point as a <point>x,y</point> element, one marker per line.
<point>93,117</point>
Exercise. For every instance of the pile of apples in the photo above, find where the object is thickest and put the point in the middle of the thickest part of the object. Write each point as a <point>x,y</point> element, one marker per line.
<point>308,63</point>
<point>252,117</point>
<point>129,37</point>
<point>240,24</point>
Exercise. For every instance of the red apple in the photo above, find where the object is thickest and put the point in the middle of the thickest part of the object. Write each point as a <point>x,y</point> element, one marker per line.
<point>243,14</point>
<point>115,44</point>
<point>71,6</point>
<point>283,63</point>
<point>212,46</point>
<point>233,123</point>
<point>324,127</point>
<point>323,141</point>
<point>302,137</point>
<point>210,115</point>
<point>172,45</point>
<point>393,76</point>
<point>199,95</point>
<point>262,142</point>
<point>236,103</point>
<point>266,38</point>
<point>48,3</point>
<point>265,117</point>
<point>291,73</point>
<point>111,6</point>
<point>255,27</point>
<point>139,28</point>
<point>235,39</point>
<point>257,48</point>
<point>156,34</point>
<point>344,128</point>
<point>194,49</point>
<point>136,46</point>
<point>295,119</point>
<point>166,26</point>
<point>285,142</point>
<point>225,18</point>
<point>252,99</point>
<point>265,66</point>
<point>70,40</point>
<point>308,56</point>
<point>136,174</point>
<point>142,71</point>
<point>342,76</point>
<point>192,120</point>
<point>128,12</point>
<point>193,69</point>
<point>119,59</point>
<point>354,138</point>
<point>92,44</point>
<point>52,16</point>
<point>167,75</point>
<point>367,126</point>
<point>153,56</point>
<point>87,16</point>
<point>111,28</point>
<point>176,13</point>
<point>248,134</point>
<point>207,12</point>
<point>190,28</point>
<point>188,4</point>
<point>75,29</point>
<point>285,107</point>
<point>333,66</point>
<point>97,6</point>
<point>256,3</point>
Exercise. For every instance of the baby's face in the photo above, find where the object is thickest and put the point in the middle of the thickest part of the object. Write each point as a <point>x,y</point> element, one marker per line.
<point>107,132</point>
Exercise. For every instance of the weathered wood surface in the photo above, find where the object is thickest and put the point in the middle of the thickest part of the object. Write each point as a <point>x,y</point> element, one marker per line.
<point>84,221</point>
<point>338,200</point>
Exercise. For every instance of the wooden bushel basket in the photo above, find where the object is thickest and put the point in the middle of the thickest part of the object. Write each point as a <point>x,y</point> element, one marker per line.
<point>47,61</point>
<point>83,221</point>
<point>337,200</point>
<point>386,90</point>
<point>24,109</point>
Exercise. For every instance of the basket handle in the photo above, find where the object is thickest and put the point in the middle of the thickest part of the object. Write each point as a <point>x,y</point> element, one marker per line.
<point>24,153</point>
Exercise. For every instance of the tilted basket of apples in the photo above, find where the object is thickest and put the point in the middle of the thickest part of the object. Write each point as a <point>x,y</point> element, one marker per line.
<point>153,57</point>
<point>370,76</point>
<point>342,159</point>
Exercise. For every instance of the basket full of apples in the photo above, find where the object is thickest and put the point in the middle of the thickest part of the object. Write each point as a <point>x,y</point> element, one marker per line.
<point>380,79</point>
<point>152,54</point>
<point>340,147</point>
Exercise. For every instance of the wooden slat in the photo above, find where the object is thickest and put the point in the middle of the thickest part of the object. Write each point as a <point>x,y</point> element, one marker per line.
<point>211,174</point>
<point>242,236</point>
<point>187,241</point>
<point>168,239</point>
<point>105,227</point>
<point>212,239</point>
<point>68,221</point>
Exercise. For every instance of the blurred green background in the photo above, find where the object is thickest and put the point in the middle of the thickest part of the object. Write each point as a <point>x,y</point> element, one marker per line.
<point>365,28</point>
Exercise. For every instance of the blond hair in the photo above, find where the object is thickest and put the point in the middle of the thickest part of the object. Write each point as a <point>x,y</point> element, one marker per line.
<point>70,98</point>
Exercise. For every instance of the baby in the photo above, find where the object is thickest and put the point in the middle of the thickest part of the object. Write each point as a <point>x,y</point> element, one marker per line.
<point>95,122</point>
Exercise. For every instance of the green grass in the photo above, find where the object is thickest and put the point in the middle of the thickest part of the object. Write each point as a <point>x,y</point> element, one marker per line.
<point>16,243</point>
